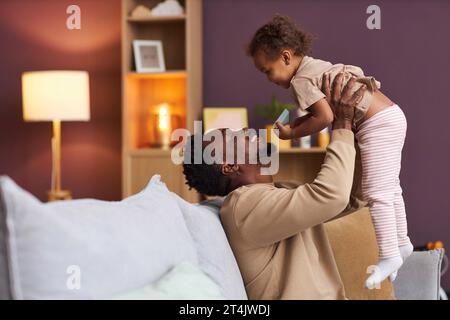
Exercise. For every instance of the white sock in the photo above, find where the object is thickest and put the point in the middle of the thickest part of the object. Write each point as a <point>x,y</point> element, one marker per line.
<point>405,252</point>
<point>384,269</point>
<point>393,276</point>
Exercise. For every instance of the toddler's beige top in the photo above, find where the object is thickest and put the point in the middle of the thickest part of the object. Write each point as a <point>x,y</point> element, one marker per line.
<point>307,83</point>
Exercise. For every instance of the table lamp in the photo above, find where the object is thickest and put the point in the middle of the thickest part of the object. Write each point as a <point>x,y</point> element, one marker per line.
<point>56,96</point>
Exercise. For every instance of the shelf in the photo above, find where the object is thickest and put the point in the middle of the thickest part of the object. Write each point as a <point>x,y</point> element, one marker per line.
<point>160,151</point>
<point>157,19</point>
<point>172,74</point>
<point>303,150</point>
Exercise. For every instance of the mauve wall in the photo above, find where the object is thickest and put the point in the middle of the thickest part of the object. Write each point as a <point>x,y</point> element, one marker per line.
<point>34,37</point>
<point>410,55</point>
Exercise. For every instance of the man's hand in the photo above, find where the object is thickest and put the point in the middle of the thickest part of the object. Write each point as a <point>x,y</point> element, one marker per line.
<point>342,102</point>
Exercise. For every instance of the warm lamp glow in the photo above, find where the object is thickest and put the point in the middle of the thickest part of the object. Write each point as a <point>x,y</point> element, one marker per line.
<point>164,117</point>
<point>55,95</point>
<point>164,124</point>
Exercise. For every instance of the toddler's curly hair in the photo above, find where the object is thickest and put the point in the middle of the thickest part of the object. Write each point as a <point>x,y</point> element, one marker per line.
<point>277,35</point>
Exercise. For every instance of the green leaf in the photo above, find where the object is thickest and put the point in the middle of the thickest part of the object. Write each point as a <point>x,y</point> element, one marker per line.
<point>272,110</point>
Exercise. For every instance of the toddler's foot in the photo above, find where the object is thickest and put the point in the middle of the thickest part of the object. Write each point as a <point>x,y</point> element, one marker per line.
<point>405,252</point>
<point>383,269</point>
<point>393,276</point>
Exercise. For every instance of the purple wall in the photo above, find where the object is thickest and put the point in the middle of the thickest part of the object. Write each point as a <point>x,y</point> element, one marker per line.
<point>38,39</point>
<point>409,55</point>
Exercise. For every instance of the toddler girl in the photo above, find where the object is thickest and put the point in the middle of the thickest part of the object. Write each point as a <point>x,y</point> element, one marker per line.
<point>280,50</point>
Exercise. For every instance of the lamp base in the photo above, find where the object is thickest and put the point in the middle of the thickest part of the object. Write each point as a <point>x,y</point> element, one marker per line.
<point>54,195</point>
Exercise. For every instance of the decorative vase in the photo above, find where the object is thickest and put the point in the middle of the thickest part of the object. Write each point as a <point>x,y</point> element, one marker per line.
<point>324,138</point>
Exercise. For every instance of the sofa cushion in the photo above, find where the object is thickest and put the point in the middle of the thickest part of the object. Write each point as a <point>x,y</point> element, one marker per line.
<point>4,274</point>
<point>90,248</point>
<point>214,252</point>
<point>184,282</point>
<point>354,245</point>
<point>420,276</point>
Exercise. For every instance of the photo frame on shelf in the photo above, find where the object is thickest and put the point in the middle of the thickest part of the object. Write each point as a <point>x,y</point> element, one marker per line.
<point>148,56</point>
<point>233,118</point>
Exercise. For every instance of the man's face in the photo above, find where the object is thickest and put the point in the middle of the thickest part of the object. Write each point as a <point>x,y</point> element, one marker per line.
<point>243,147</point>
<point>239,142</point>
<point>277,71</point>
<point>241,150</point>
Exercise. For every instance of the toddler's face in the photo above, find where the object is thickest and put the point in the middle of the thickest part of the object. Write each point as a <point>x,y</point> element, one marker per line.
<point>277,71</point>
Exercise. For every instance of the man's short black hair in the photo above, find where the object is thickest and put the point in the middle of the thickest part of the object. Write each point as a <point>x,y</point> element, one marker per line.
<point>205,178</point>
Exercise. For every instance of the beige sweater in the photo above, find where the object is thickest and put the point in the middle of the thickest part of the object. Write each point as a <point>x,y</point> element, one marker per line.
<point>276,230</point>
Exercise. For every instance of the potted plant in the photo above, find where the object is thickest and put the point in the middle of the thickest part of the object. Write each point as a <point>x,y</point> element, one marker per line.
<point>271,112</point>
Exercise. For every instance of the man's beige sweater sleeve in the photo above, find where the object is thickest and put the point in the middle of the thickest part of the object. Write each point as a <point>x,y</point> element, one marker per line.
<point>267,214</point>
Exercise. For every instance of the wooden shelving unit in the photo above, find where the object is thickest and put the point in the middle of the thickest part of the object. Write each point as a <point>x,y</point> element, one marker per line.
<point>180,86</point>
<point>157,19</point>
<point>300,164</point>
<point>303,150</point>
<point>172,74</point>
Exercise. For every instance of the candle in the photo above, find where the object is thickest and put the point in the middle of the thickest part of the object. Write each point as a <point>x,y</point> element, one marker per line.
<point>164,125</point>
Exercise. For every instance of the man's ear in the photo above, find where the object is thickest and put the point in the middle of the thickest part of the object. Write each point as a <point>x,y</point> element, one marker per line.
<point>286,55</point>
<point>228,169</point>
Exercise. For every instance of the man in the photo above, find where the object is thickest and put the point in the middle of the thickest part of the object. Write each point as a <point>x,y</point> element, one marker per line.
<point>276,230</point>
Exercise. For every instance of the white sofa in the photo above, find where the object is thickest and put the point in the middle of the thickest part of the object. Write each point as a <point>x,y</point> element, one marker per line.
<point>152,245</point>
<point>115,248</point>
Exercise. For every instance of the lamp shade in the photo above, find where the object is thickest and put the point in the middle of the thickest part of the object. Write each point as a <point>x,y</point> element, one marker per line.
<point>55,95</point>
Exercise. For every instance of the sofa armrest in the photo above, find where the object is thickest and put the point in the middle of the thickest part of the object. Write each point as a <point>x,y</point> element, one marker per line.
<point>420,276</point>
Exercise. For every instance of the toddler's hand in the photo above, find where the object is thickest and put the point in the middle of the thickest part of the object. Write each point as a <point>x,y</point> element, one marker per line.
<point>286,131</point>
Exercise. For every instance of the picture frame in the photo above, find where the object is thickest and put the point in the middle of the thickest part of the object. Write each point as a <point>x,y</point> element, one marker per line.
<point>233,118</point>
<point>148,56</point>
